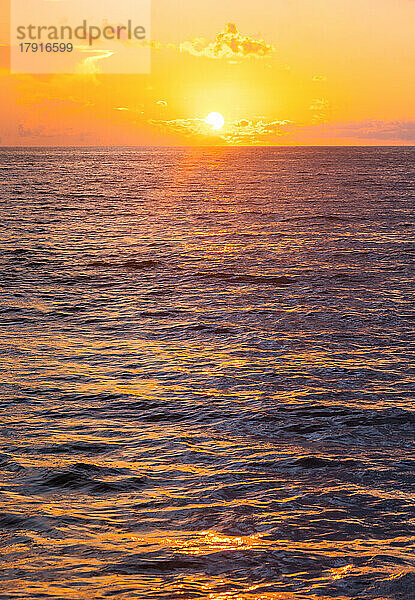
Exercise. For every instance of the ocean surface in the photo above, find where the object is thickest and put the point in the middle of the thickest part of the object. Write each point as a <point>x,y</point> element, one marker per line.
<point>207,374</point>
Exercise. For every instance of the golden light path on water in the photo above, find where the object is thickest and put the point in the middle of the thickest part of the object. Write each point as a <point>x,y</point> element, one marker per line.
<point>207,389</point>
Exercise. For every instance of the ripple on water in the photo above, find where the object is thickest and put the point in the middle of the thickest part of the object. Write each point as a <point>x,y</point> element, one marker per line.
<point>207,383</point>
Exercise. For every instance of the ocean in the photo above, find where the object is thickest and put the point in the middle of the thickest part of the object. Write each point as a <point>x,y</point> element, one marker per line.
<point>207,373</point>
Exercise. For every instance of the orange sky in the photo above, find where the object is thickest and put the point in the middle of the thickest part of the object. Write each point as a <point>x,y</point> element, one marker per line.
<point>282,72</point>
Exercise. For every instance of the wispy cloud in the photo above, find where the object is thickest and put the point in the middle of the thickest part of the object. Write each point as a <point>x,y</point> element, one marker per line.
<point>89,65</point>
<point>256,131</point>
<point>182,127</point>
<point>320,109</point>
<point>351,132</point>
<point>376,130</point>
<point>228,44</point>
<point>240,132</point>
<point>27,132</point>
<point>43,133</point>
<point>263,132</point>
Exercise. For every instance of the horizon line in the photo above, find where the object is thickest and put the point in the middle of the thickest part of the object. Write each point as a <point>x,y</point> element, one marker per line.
<point>215,146</point>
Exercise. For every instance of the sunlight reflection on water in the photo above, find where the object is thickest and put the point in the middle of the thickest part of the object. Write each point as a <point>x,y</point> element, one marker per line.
<point>207,385</point>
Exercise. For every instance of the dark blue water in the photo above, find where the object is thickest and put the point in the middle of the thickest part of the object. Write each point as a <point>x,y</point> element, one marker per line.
<point>207,374</point>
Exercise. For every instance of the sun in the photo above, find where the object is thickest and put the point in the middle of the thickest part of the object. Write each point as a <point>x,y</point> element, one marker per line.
<point>215,120</point>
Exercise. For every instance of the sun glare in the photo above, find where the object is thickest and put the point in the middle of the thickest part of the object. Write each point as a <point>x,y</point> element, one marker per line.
<point>215,120</point>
